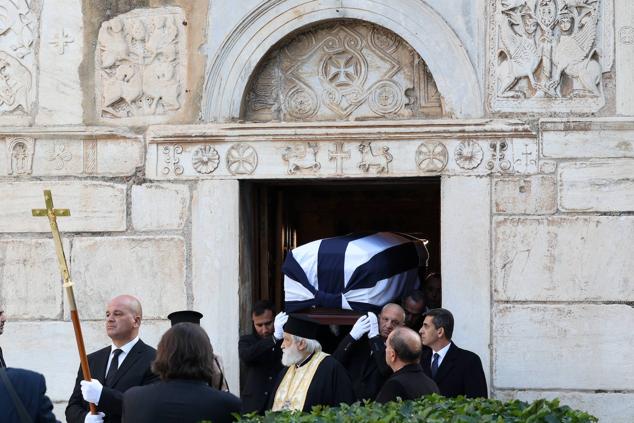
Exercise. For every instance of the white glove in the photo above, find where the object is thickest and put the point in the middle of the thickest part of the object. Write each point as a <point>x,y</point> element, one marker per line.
<point>374,325</point>
<point>91,390</point>
<point>360,328</point>
<point>280,321</point>
<point>94,418</point>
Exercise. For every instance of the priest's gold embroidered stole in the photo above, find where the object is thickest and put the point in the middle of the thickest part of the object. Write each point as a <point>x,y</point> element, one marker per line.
<point>291,394</point>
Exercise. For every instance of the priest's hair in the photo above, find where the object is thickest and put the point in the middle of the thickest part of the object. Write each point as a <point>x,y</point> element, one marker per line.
<point>312,345</point>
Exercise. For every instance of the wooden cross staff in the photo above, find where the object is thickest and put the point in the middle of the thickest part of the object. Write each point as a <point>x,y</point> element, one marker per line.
<point>52,214</point>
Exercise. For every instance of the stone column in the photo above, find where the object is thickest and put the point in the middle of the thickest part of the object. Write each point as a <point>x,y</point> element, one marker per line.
<point>465,224</point>
<point>216,268</point>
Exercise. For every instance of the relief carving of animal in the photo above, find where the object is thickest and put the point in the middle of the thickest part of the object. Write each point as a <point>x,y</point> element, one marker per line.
<point>302,159</point>
<point>15,84</point>
<point>369,159</point>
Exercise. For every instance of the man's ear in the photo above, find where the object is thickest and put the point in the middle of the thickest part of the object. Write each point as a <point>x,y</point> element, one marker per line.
<point>301,346</point>
<point>441,332</point>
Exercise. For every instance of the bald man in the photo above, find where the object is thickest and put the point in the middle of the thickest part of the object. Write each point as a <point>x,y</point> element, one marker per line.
<point>114,369</point>
<point>402,353</point>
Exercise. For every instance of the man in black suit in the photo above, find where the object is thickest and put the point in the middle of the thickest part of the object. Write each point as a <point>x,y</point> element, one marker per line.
<point>115,369</point>
<point>3,319</point>
<point>364,357</point>
<point>261,355</point>
<point>29,389</point>
<point>402,354</point>
<point>455,371</point>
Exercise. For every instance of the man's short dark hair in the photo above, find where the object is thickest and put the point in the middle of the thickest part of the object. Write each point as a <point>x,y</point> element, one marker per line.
<point>404,350</point>
<point>442,318</point>
<point>261,307</point>
<point>416,296</point>
<point>184,352</point>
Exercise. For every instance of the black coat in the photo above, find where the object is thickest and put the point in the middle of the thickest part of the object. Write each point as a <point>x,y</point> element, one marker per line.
<point>31,389</point>
<point>330,386</point>
<point>408,383</point>
<point>133,371</point>
<point>262,359</point>
<point>178,401</point>
<point>460,373</point>
<point>365,362</point>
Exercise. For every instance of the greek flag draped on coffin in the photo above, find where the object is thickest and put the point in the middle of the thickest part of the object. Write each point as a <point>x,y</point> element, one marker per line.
<point>356,272</point>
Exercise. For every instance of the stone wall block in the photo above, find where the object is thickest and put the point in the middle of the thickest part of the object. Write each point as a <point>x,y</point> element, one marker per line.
<point>159,206</point>
<point>546,346</point>
<point>529,195</point>
<point>624,28</point>
<point>152,269</point>
<point>563,259</point>
<point>30,280</point>
<point>609,137</point>
<point>608,407</point>
<point>57,359</point>
<point>598,185</point>
<point>94,206</point>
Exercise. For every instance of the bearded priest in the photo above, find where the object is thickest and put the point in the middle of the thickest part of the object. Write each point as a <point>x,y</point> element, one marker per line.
<point>310,377</point>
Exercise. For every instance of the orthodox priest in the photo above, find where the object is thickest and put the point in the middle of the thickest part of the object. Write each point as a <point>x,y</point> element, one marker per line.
<point>310,377</point>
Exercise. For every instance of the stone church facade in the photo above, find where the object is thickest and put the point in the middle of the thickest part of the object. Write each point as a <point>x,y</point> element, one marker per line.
<point>149,119</point>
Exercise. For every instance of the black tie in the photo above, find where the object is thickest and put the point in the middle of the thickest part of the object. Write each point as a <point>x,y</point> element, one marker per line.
<point>2,363</point>
<point>434,365</point>
<point>114,366</point>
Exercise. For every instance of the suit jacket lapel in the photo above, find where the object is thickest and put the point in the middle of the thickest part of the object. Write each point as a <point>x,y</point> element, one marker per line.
<point>98,369</point>
<point>447,362</point>
<point>128,362</point>
<point>425,362</point>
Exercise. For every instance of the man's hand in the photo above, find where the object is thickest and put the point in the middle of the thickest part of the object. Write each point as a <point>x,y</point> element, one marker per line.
<point>91,390</point>
<point>374,325</point>
<point>94,418</point>
<point>361,327</point>
<point>280,321</point>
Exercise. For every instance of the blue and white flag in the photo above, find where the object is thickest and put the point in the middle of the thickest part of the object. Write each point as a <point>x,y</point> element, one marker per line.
<point>359,272</point>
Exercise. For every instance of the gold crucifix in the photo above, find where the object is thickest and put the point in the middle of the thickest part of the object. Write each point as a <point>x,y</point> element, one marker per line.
<point>52,214</point>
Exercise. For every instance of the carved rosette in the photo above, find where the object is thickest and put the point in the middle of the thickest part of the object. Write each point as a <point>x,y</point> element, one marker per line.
<point>242,159</point>
<point>432,157</point>
<point>386,98</point>
<point>205,159</point>
<point>468,154</point>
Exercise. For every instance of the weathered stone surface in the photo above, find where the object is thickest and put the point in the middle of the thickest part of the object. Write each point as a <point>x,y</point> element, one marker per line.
<point>597,185</point>
<point>58,359</point>
<point>467,236</point>
<point>563,259</point>
<point>587,138</point>
<point>152,269</point>
<point>119,157</point>
<point>608,407</point>
<point>94,206</point>
<point>159,206</point>
<point>61,48</point>
<point>530,195</point>
<point>546,346</point>
<point>216,268</point>
<point>30,281</point>
<point>624,28</point>
<point>57,157</point>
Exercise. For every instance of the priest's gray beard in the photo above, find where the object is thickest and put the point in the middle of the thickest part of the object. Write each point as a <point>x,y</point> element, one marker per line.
<point>291,356</point>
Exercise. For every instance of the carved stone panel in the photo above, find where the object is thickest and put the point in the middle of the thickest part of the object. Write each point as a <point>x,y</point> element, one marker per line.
<point>339,71</point>
<point>549,55</point>
<point>18,36</point>
<point>141,64</point>
<point>20,153</point>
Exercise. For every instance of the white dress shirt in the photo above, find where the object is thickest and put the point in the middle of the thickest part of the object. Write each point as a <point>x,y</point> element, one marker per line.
<point>441,354</point>
<point>125,350</point>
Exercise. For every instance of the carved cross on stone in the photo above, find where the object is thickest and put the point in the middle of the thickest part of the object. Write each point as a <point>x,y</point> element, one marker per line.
<point>60,41</point>
<point>339,155</point>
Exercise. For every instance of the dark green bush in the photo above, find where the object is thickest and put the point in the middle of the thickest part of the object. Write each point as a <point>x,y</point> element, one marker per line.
<point>433,409</point>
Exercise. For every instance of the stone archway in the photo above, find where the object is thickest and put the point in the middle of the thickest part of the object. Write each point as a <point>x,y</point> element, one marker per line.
<point>416,23</point>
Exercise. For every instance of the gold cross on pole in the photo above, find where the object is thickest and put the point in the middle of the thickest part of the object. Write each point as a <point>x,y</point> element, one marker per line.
<point>52,214</point>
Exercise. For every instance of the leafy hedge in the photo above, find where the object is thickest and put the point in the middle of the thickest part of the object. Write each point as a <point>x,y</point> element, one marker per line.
<point>433,409</point>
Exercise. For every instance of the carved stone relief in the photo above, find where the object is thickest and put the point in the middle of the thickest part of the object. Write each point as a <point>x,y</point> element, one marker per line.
<point>339,154</point>
<point>549,54</point>
<point>301,158</point>
<point>18,24</point>
<point>376,158</point>
<point>141,63</point>
<point>499,161</point>
<point>172,159</point>
<point>431,157</point>
<point>20,153</point>
<point>343,70</point>
<point>468,154</point>
<point>205,159</point>
<point>60,41</point>
<point>90,156</point>
<point>59,155</point>
<point>242,159</point>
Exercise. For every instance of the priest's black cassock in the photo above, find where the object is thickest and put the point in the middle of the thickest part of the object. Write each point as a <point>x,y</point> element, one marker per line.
<point>326,384</point>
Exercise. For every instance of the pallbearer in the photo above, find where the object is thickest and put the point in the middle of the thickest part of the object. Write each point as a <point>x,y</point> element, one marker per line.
<point>311,377</point>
